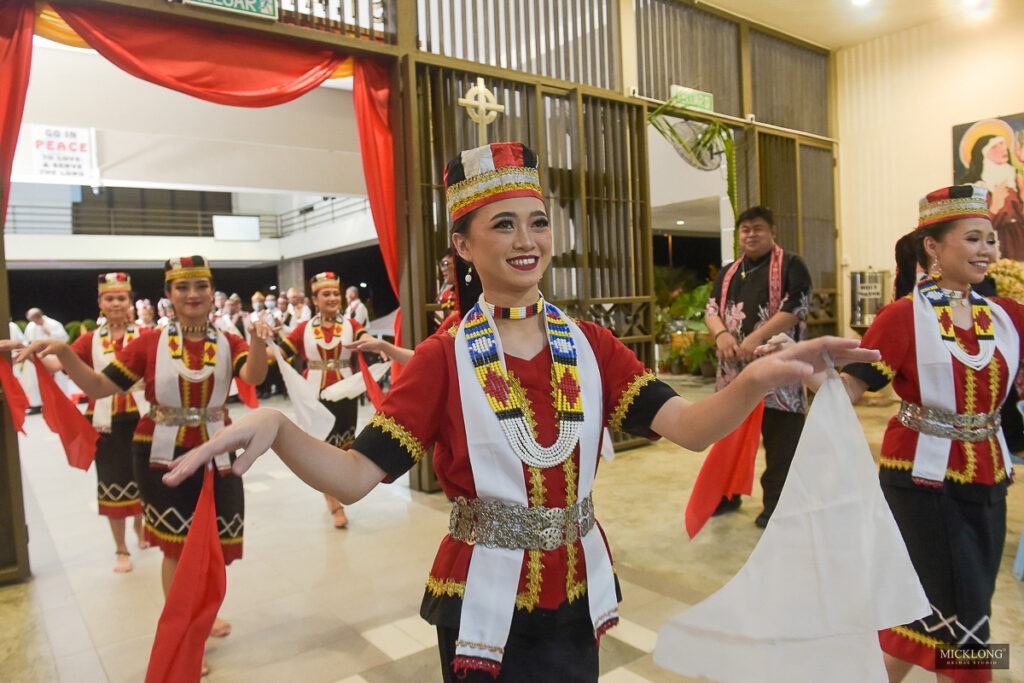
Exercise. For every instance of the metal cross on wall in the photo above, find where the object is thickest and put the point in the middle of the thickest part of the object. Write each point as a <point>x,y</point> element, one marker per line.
<point>482,108</point>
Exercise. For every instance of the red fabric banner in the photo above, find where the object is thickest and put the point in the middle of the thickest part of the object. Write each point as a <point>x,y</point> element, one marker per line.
<point>194,599</point>
<point>64,419</point>
<point>247,393</point>
<point>727,471</point>
<point>373,389</point>
<point>371,88</point>
<point>14,394</point>
<point>17,18</point>
<point>213,64</point>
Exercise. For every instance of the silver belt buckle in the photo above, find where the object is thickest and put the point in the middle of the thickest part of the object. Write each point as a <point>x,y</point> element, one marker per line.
<point>193,417</point>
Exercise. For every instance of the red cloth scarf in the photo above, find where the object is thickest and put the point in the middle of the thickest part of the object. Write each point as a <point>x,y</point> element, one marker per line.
<point>64,419</point>
<point>774,281</point>
<point>727,471</point>
<point>14,395</point>
<point>194,599</point>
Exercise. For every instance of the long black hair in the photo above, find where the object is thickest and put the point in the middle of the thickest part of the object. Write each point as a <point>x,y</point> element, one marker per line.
<point>467,282</point>
<point>910,253</point>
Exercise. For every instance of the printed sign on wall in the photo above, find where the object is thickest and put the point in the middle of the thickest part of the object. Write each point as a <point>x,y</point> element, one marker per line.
<point>62,152</point>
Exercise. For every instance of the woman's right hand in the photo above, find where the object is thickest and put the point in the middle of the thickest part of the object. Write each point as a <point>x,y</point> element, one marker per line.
<point>255,434</point>
<point>41,348</point>
<point>728,347</point>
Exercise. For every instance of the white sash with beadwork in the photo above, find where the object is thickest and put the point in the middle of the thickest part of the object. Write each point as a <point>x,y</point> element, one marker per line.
<point>311,347</point>
<point>102,408</point>
<point>168,393</point>
<point>935,378</point>
<point>493,577</point>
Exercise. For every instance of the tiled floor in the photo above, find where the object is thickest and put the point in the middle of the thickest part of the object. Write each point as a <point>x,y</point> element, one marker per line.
<point>311,603</point>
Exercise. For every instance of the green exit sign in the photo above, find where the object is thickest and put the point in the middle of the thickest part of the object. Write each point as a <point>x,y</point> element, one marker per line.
<point>688,97</point>
<point>263,9</point>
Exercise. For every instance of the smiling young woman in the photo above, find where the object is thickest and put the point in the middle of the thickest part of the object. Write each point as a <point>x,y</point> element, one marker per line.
<point>514,396</point>
<point>952,356</point>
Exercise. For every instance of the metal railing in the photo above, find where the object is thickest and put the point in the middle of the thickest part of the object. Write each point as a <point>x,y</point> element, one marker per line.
<point>325,211</point>
<point>79,220</point>
<point>365,19</point>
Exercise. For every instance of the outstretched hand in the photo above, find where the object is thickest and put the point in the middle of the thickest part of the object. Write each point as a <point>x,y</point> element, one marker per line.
<point>798,362</point>
<point>10,345</point>
<point>254,433</point>
<point>40,347</point>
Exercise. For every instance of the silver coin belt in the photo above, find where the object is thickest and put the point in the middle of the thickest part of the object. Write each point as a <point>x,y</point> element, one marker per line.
<point>506,525</point>
<point>949,425</point>
<point>330,364</point>
<point>186,417</point>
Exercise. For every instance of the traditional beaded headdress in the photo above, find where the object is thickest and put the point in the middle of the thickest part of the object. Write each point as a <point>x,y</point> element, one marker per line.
<point>479,176</point>
<point>113,282</point>
<point>953,203</point>
<point>186,266</point>
<point>323,281</point>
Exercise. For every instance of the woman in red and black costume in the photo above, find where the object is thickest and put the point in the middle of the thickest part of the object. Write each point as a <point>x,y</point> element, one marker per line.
<point>951,355</point>
<point>187,367</point>
<point>114,417</point>
<point>330,335</point>
<point>514,397</point>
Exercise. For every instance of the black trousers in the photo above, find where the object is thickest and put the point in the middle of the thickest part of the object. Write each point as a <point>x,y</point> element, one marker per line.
<point>780,431</point>
<point>568,656</point>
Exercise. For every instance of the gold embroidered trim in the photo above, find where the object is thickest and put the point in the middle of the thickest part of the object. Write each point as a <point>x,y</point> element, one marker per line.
<point>118,503</point>
<point>884,368</point>
<point>123,369</point>
<point>927,641</point>
<point>144,438</point>
<point>998,471</point>
<point>449,587</point>
<point>970,404</point>
<point>515,387</point>
<point>573,589</point>
<point>895,463</point>
<point>480,646</point>
<point>396,431</point>
<point>627,398</point>
<point>529,598</point>
<point>452,331</point>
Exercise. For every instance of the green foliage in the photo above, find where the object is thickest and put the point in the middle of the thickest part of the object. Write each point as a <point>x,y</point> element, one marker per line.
<point>688,308</point>
<point>89,324</point>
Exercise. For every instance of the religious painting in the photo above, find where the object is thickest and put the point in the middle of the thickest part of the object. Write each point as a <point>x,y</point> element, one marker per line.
<point>990,153</point>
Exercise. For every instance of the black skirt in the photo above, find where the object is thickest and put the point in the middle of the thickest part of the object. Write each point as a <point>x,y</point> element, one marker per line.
<point>343,433</point>
<point>117,493</point>
<point>168,511</point>
<point>955,545</point>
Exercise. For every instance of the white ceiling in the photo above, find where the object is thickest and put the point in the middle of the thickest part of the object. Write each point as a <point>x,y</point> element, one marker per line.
<point>837,23</point>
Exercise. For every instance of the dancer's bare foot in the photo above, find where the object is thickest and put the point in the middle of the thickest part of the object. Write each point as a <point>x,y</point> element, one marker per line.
<point>340,520</point>
<point>205,671</point>
<point>221,628</point>
<point>124,562</point>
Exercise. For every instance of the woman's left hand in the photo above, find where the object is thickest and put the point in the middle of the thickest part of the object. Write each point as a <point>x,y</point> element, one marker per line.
<point>261,330</point>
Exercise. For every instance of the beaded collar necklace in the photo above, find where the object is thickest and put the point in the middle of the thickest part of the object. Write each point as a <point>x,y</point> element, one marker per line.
<point>516,312</point>
<point>106,338</point>
<point>981,316</point>
<point>957,297</point>
<point>318,333</point>
<point>493,377</point>
<point>209,343</point>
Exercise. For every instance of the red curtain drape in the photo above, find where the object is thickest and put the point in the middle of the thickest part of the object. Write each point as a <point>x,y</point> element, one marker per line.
<point>208,63</point>
<point>371,90</point>
<point>16,20</point>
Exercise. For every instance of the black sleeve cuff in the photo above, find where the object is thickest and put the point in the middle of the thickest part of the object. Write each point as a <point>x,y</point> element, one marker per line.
<point>875,375</point>
<point>639,403</point>
<point>120,375</point>
<point>389,446</point>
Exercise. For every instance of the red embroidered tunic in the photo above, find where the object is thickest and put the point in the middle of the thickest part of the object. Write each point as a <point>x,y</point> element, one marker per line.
<point>977,391</point>
<point>123,406</point>
<point>424,407</point>
<point>138,359</point>
<point>295,344</point>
